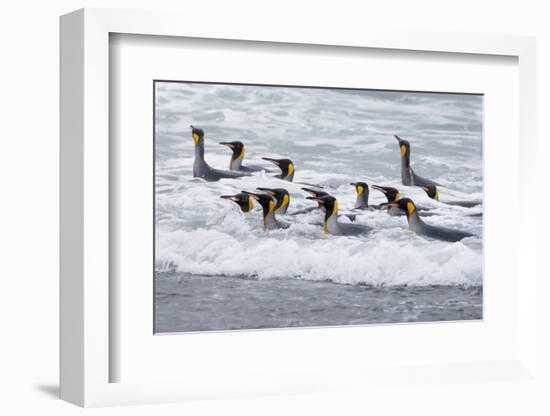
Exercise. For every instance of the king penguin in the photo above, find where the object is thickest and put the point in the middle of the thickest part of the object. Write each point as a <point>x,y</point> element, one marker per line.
<point>331,225</point>
<point>237,156</point>
<point>286,166</point>
<point>433,193</point>
<point>282,198</point>
<point>267,202</point>
<point>408,177</point>
<point>392,195</point>
<point>417,225</point>
<point>362,190</point>
<point>201,169</point>
<point>312,192</point>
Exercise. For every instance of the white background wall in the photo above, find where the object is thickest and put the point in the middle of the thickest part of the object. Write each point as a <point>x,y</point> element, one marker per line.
<point>29,56</point>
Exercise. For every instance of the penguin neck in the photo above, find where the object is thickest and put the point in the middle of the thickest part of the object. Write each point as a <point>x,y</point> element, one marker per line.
<point>415,223</point>
<point>406,160</point>
<point>236,161</point>
<point>331,225</point>
<point>287,176</point>
<point>270,222</point>
<point>282,208</point>
<point>199,152</point>
<point>362,200</point>
<point>199,165</point>
<point>406,175</point>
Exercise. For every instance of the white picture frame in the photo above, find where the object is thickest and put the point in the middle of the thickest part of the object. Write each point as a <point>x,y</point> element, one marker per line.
<point>85,211</point>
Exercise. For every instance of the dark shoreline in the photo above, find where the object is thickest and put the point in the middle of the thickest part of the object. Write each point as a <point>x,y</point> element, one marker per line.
<point>189,303</point>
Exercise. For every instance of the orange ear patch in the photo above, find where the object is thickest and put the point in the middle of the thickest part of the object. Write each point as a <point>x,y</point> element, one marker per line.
<point>290,169</point>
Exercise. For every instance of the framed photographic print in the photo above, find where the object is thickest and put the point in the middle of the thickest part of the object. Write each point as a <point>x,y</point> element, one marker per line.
<point>262,212</point>
<point>299,206</point>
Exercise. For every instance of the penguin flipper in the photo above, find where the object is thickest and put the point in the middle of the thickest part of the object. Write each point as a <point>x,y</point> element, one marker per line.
<point>464,204</point>
<point>227,174</point>
<point>426,214</point>
<point>354,229</point>
<point>351,217</point>
<point>445,234</point>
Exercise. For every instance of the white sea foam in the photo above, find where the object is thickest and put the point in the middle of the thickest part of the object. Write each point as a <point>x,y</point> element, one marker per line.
<point>341,260</point>
<point>334,138</point>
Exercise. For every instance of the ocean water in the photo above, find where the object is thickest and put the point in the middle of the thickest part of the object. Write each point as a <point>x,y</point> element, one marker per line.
<point>334,137</point>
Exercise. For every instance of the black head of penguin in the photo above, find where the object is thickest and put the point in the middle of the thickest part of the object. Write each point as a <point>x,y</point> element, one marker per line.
<point>198,134</point>
<point>432,192</point>
<point>404,204</point>
<point>405,148</point>
<point>280,194</point>
<point>286,166</point>
<point>267,202</point>
<point>329,203</point>
<point>361,188</point>
<point>315,193</point>
<point>236,147</point>
<point>243,200</point>
<point>391,194</point>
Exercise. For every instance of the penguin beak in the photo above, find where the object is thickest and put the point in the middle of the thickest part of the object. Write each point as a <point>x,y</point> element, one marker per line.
<point>397,138</point>
<point>425,189</point>
<point>271,160</point>
<point>231,146</point>
<point>353,184</point>
<point>379,188</point>
<point>314,198</point>
<point>309,191</point>
<point>391,204</point>
<point>233,198</point>
<point>267,191</point>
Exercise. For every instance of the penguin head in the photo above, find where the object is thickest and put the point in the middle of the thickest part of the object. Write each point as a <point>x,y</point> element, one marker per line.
<point>405,147</point>
<point>361,188</point>
<point>404,204</point>
<point>198,135</point>
<point>315,193</point>
<point>286,166</point>
<point>432,192</point>
<point>329,203</point>
<point>267,202</point>
<point>392,194</point>
<point>281,195</point>
<point>243,200</point>
<point>237,148</point>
